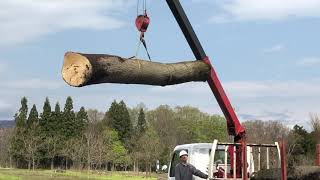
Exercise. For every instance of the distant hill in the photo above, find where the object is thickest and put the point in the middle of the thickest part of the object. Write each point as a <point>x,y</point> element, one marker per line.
<point>7,123</point>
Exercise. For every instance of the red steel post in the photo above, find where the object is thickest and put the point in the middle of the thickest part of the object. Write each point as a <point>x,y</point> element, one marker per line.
<point>244,160</point>
<point>283,160</point>
<point>318,155</point>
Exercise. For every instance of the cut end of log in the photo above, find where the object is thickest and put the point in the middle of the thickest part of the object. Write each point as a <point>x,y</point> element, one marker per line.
<point>76,70</point>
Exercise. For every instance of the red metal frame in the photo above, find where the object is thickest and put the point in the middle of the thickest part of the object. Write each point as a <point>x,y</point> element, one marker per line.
<point>283,160</point>
<point>244,160</point>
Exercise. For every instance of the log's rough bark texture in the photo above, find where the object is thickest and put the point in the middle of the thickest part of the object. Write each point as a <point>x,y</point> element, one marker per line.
<point>85,69</point>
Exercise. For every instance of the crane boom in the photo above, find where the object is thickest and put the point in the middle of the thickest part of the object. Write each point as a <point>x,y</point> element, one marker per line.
<point>233,125</point>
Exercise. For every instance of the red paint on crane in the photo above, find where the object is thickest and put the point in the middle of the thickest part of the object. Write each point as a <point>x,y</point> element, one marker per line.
<point>233,124</point>
<point>283,160</point>
<point>318,155</point>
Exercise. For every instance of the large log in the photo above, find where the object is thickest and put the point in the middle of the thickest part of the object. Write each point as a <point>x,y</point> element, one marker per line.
<point>85,69</point>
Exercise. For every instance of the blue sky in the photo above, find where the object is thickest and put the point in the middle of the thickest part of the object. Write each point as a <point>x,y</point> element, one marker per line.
<point>265,52</point>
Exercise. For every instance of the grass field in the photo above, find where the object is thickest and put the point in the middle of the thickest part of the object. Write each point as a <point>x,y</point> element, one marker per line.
<point>21,174</point>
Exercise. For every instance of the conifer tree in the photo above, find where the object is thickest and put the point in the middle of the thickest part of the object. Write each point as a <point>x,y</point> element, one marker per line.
<point>33,118</point>
<point>57,119</point>
<point>32,138</point>
<point>53,142</point>
<point>16,143</point>
<point>119,120</point>
<point>141,125</point>
<point>127,129</point>
<point>81,121</point>
<point>68,119</point>
<point>21,116</point>
<point>45,118</point>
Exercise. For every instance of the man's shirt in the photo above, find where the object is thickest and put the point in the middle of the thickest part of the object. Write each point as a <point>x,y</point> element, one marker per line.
<point>185,172</point>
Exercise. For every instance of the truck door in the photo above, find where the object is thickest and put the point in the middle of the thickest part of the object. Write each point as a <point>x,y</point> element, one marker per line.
<point>174,161</point>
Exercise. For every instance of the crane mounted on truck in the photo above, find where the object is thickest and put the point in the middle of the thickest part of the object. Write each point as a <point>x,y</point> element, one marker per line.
<point>238,150</point>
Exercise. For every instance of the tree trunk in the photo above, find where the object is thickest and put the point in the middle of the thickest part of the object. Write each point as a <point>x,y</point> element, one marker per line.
<point>85,69</point>
<point>138,170</point>
<point>134,166</point>
<point>29,164</point>
<point>11,162</point>
<point>33,164</point>
<point>66,163</point>
<point>52,165</point>
<point>88,155</point>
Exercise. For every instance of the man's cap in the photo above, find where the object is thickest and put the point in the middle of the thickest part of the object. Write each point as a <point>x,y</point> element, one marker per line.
<point>183,152</point>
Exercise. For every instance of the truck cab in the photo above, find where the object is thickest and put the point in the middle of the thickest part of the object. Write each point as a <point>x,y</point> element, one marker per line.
<point>200,155</point>
<point>217,163</point>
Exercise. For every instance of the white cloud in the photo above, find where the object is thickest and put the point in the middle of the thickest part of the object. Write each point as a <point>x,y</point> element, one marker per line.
<point>3,67</point>
<point>244,89</point>
<point>31,84</point>
<point>309,61</point>
<point>4,105</point>
<point>274,88</point>
<point>6,110</point>
<point>26,20</point>
<point>246,10</point>
<point>266,115</point>
<point>275,48</point>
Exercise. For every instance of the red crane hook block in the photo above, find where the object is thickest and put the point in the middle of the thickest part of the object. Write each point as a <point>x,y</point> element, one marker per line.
<point>142,22</point>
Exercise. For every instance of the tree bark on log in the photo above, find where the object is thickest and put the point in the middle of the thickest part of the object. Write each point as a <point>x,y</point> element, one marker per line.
<point>85,69</point>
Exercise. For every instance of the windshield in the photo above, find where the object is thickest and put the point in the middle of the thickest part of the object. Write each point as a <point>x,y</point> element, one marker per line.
<point>200,158</point>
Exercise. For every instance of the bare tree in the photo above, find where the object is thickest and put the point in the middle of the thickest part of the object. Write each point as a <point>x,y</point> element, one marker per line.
<point>315,123</point>
<point>52,146</point>
<point>265,132</point>
<point>5,154</point>
<point>92,136</point>
<point>94,116</point>
<point>149,149</point>
<point>32,142</point>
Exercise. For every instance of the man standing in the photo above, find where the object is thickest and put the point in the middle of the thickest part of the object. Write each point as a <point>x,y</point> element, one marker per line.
<point>184,171</point>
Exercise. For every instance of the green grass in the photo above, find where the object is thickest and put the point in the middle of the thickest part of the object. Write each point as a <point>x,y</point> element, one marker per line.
<point>22,174</point>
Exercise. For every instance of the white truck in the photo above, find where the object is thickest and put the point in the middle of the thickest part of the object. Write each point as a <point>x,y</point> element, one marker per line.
<point>217,163</point>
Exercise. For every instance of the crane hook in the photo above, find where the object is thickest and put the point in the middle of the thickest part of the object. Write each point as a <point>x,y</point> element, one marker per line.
<point>142,22</point>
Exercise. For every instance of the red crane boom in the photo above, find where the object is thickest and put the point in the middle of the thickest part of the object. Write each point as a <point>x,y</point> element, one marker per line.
<point>234,127</point>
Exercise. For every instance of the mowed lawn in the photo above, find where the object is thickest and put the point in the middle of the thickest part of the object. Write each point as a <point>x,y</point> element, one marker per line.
<point>21,174</point>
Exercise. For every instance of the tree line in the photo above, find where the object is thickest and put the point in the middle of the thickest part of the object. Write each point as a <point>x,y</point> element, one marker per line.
<point>121,138</point>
